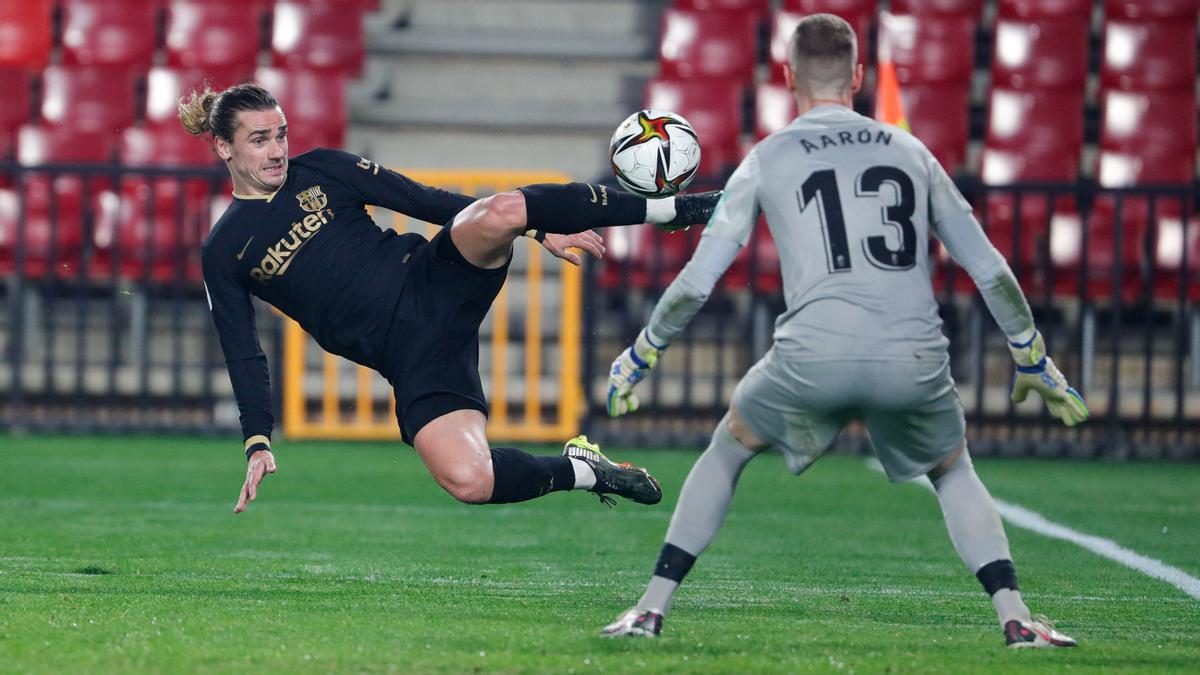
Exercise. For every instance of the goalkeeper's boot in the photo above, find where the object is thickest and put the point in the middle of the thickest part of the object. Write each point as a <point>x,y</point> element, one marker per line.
<point>623,480</point>
<point>693,209</point>
<point>1036,632</point>
<point>635,623</point>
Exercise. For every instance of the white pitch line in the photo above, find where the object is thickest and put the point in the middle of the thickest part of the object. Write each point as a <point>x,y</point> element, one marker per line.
<point>1105,548</point>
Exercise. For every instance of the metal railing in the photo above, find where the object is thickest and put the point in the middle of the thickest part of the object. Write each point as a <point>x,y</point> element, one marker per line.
<point>104,324</point>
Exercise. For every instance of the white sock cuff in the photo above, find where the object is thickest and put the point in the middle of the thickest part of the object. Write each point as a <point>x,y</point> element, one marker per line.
<point>585,478</point>
<point>660,210</point>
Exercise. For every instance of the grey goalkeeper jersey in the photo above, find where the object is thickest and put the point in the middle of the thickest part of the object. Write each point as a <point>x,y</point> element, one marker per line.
<point>850,203</point>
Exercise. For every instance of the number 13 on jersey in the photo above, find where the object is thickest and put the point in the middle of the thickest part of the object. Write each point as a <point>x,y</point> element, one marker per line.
<point>821,188</point>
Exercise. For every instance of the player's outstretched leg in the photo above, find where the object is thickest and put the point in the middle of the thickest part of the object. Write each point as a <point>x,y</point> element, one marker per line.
<point>698,515</point>
<point>484,231</point>
<point>979,538</point>
<point>456,452</point>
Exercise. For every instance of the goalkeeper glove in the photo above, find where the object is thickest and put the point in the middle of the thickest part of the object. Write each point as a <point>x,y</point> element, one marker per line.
<point>627,370</point>
<point>1036,371</point>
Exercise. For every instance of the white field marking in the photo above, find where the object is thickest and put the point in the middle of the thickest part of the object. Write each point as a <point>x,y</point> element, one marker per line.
<point>1105,548</point>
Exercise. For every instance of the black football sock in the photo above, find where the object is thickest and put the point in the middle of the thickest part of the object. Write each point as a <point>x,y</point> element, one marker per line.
<point>577,207</point>
<point>519,476</point>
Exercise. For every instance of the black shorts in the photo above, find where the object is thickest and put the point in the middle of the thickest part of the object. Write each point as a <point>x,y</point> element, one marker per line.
<point>432,358</point>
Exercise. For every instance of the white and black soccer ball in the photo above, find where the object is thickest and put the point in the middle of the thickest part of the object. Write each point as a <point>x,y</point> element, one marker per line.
<point>654,153</point>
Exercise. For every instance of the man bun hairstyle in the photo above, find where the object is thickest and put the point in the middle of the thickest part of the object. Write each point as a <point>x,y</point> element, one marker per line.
<point>216,112</point>
<point>822,54</point>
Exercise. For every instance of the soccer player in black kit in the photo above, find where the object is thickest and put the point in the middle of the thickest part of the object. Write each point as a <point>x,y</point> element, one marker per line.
<point>298,236</point>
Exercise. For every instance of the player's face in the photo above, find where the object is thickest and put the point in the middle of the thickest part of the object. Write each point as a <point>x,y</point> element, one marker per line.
<point>257,158</point>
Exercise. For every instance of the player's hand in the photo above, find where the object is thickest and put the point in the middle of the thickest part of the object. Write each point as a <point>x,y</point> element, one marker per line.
<point>1036,372</point>
<point>559,246</point>
<point>261,463</point>
<point>627,370</point>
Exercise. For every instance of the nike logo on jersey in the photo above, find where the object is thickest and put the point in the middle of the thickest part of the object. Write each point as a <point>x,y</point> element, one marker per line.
<point>603,198</point>
<point>242,252</point>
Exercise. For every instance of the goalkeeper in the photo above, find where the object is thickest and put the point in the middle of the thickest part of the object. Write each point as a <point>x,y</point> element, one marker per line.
<point>297,235</point>
<point>850,204</point>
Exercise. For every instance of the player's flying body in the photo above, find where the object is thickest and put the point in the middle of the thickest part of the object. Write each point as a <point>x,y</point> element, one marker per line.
<point>298,236</point>
<point>850,204</point>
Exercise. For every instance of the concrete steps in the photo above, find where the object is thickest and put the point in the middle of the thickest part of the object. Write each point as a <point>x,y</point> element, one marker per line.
<point>520,84</point>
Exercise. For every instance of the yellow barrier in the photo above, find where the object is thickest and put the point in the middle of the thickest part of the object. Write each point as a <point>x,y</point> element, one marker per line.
<point>327,417</point>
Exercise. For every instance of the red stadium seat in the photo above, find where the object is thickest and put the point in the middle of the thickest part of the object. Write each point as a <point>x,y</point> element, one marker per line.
<point>937,115</point>
<point>1018,225</point>
<point>841,8</point>
<point>313,121</point>
<point>1147,137</point>
<point>774,108</point>
<point>151,215</point>
<point>89,98</point>
<point>48,238</point>
<point>757,6</point>
<point>318,35</point>
<point>212,35</point>
<point>15,87</point>
<point>151,229</point>
<point>165,86</point>
<point>1153,9</point>
<point>932,49</point>
<point>966,8</point>
<point>164,146</point>
<point>53,222</point>
<point>1033,136</point>
<point>708,44</point>
<point>1034,9</point>
<point>25,33</point>
<point>47,144</point>
<point>1141,54</point>
<point>714,109</point>
<point>109,32</point>
<point>783,24</point>
<point>1042,53</point>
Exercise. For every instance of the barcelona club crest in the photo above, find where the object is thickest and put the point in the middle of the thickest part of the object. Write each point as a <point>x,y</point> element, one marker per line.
<point>312,199</point>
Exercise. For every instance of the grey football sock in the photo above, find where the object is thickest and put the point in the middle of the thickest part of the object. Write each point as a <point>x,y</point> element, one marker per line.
<point>978,534</point>
<point>699,513</point>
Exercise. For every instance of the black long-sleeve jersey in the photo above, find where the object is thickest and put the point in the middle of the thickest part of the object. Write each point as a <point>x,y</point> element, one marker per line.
<point>311,250</point>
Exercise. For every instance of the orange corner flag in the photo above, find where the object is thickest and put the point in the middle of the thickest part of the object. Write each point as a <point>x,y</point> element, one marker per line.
<point>889,108</point>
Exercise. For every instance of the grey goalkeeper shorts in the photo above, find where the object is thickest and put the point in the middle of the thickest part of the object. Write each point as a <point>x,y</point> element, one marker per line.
<point>910,407</point>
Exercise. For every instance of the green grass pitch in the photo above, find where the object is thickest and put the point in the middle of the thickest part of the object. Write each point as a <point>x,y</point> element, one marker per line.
<point>123,555</point>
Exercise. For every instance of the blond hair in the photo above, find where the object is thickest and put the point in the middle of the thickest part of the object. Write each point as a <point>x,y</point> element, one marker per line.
<point>214,112</point>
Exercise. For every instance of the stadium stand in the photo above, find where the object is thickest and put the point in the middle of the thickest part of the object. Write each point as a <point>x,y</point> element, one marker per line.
<point>25,33</point>
<point>1045,9</point>
<point>109,32</point>
<point>89,98</point>
<point>967,8</point>
<point>166,85</point>
<point>1139,54</point>
<point>1043,53</point>
<point>315,102</point>
<point>318,36</point>
<point>1153,9</point>
<point>709,44</point>
<point>16,85</point>
<point>774,108</point>
<point>212,35</point>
